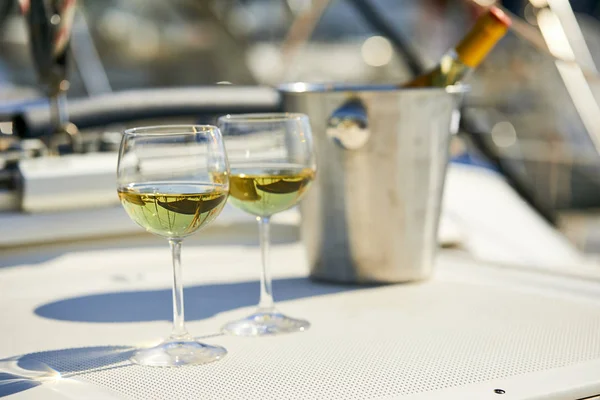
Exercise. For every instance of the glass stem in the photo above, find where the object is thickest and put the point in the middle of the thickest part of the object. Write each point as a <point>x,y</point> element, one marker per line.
<point>266,292</point>
<point>179,330</point>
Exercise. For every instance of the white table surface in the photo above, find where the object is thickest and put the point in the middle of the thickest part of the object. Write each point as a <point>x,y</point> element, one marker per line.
<point>473,327</point>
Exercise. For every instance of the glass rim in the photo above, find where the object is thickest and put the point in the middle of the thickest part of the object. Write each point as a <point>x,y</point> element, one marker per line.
<point>263,117</point>
<point>177,129</point>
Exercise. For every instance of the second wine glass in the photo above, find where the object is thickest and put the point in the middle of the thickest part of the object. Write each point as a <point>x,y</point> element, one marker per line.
<point>272,164</point>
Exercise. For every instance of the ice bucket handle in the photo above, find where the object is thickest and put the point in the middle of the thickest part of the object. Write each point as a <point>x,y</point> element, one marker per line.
<point>348,125</point>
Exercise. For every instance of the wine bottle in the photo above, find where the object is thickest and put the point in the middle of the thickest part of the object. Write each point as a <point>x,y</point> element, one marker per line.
<point>457,63</point>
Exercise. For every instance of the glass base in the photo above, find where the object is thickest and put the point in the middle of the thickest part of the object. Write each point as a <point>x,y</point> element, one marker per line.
<point>175,353</point>
<point>265,323</point>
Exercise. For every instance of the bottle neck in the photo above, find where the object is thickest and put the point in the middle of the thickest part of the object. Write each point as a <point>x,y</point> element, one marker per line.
<point>482,38</point>
<point>458,63</point>
<point>451,69</point>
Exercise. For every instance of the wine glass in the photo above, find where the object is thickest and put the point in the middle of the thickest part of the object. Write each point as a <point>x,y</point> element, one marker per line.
<point>272,165</point>
<point>173,181</point>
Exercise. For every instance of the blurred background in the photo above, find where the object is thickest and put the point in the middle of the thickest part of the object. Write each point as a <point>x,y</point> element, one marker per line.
<point>535,114</point>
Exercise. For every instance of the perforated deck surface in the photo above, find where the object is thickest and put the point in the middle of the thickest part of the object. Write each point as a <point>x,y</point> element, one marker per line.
<point>364,343</point>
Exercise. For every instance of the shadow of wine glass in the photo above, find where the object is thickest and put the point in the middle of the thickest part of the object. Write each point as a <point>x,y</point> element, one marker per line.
<point>12,383</point>
<point>27,371</point>
<point>155,305</point>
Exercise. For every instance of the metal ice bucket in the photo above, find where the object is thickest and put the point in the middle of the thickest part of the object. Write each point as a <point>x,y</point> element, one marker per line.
<point>372,214</point>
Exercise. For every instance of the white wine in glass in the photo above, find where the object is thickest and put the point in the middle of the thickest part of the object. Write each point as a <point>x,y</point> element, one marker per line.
<point>272,165</point>
<point>172,210</point>
<point>173,181</point>
<point>264,190</point>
